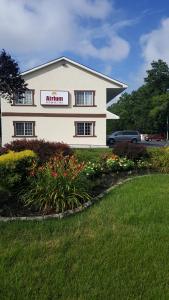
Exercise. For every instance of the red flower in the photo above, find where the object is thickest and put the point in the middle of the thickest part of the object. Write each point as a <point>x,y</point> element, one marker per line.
<point>54,174</point>
<point>64,174</point>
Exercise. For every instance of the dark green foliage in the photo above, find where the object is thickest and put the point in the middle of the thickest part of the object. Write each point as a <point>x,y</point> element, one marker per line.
<point>131,151</point>
<point>43,149</point>
<point>158,77</point>
<point>11,82</point>
<point>147,108</point>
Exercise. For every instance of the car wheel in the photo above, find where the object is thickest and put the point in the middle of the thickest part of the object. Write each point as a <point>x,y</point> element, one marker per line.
<point>111,141</point>
<point>134,141</point>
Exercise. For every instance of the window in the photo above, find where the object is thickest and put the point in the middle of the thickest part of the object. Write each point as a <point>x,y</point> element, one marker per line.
<point>84,98</point>
<point>118,133</point>
<point>130,133</point>
<point>24,129</point>
<point>27,98</point>
<point>84,128</point>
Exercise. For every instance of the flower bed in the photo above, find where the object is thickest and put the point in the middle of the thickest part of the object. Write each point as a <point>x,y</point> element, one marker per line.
<point>62,182</point>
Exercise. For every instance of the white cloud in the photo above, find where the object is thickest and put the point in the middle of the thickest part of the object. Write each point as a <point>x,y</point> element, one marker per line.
<point>35,28</point>
<point>154,46</point>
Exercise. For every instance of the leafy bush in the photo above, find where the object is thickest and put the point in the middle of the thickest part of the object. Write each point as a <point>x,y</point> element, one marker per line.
<point>92,169</point>
<point>116,163</point>
<point>14,167</point>
<point>112,163</point>
<point>57,186</point>
<point>43,149</point>
<point>159,159</point>
<point>131,151</point>
<point>143,164</point>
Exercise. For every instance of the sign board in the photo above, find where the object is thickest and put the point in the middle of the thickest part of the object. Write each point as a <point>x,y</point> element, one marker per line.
<point>54,98</point>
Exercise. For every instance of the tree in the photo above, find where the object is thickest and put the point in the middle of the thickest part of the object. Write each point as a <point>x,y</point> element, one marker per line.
<point>160,112</point>
<point>147,108</point>
<point>158,77</point>
<point>11,82</point>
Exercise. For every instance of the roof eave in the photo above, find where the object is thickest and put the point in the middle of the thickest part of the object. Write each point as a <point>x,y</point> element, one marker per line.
<point>118,83</point>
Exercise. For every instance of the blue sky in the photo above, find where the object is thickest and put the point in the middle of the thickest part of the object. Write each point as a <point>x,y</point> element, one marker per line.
<point>119,38</point>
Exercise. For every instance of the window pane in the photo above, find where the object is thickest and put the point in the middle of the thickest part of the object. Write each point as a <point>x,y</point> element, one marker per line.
<point>19,127</point>
<point>27,98</point>
<point>80,98</point>
<point>84,98</point>
<point>80,128</point>
<point>85,128</point>
<point>24,128</point>
<point>28,128</point>
<point>88,128</point>
<point>88,98</point>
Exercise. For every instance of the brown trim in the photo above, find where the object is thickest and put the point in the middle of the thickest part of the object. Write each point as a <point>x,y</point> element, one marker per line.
<point>24,136</point>
<point>76,135</point>
<point>21,105</point>
<point>84,105</point>
<point>75,93</point>
<point>61,115</point>
<point>33,100</point>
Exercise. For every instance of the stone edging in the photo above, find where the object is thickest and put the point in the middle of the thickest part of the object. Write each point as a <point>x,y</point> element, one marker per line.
<point>73,211</point>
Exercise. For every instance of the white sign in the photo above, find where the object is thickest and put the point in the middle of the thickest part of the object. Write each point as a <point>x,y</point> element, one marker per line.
<point>54,98</point>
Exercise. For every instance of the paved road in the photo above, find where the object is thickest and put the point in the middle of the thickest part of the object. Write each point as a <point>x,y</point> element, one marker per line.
<point>153,144</point>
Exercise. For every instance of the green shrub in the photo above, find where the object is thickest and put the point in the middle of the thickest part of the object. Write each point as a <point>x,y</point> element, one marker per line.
<point>14,168</point>
<point>44,150</point>
<point>159,159</point>
<point>116,164</point>
<point>57,186</point>
<point>93,169</point>
<point>131,151</point>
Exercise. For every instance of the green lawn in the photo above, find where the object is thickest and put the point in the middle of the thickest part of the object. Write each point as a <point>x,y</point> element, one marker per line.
<point>92,154</point>
<point>118,249</point>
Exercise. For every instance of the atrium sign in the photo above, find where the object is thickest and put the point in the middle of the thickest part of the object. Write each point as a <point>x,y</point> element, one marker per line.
<point>54,98</point>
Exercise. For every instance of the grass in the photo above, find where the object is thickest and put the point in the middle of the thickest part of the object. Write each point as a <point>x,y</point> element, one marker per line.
<point>117,249</point>
<point>91,154</point>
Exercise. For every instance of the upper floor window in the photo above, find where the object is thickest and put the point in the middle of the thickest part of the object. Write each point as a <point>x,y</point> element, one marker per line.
<point>84,98</point>
<point>26,99</point>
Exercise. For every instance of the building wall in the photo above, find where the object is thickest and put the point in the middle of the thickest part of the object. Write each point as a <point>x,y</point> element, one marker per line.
<point>66,77</point>
<point>58,129</point>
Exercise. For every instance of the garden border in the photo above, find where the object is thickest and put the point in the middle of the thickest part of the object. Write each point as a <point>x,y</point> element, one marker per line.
<point>72,211</point>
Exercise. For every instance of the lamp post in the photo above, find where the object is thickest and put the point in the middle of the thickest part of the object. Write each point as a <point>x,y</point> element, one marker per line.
<point>167,127</point>
<point>167,118</point>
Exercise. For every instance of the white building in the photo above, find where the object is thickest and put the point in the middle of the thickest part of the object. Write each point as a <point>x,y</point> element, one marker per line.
<point>66,102</point>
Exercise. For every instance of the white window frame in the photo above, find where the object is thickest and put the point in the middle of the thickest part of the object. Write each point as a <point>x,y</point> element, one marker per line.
<point>85,129</point>
<point>25,100</point>
<point>84,98</point>
<point>24,128</point>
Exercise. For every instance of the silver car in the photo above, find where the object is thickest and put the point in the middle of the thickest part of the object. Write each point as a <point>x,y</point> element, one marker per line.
<point>125,135</point>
